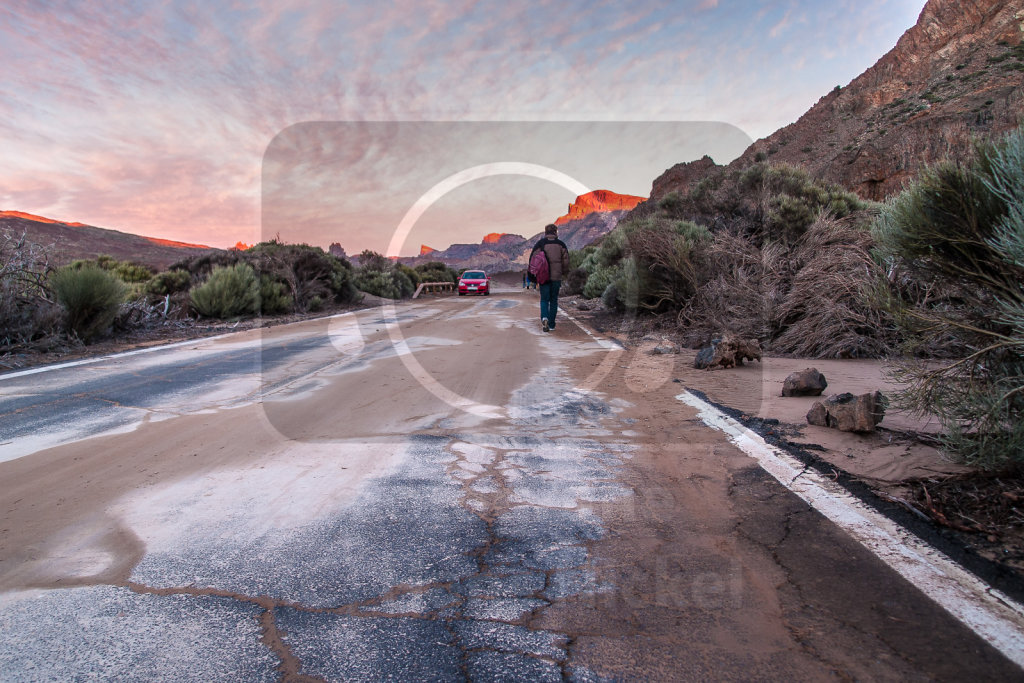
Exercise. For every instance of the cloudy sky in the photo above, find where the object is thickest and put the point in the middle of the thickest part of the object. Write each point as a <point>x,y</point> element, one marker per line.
<point>218,122</point>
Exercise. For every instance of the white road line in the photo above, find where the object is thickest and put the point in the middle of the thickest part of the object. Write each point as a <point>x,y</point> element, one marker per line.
<point>601,341</point>
<point>992,615</point>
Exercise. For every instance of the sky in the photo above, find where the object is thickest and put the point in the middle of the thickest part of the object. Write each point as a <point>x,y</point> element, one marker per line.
<point>219,122</point>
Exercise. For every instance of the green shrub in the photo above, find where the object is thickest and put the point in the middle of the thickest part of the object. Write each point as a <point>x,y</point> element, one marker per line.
<point>953,243</point>
<point>412,274</point>
<point>382,284</point>
<point>133,272</point>
<point>599,279</point>
<point>304,271</point>
<point>665,270</point>
<point>379,276</point>
<point>127,271</point>
<point>672,203</point>
<point>787,200</point>
<point>169,282</point>
<point>229,292</point>
<point>275,298</point>
<point>372,261</point>
<point>90,296</point>
<point>436,271</point>
<point>578,256</point>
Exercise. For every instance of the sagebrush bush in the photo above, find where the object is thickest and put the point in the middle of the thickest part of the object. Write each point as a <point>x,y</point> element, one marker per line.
<point>275,299</point>
<point>650,261</point>
<point>126,271</point>
<point>436,271</point>
<point>229,292</point>
<point>765,251</point>
<point>414,276</point>
<point>90,297</point>
<point>169,282</point>
<point>378,283</point>
<point>379,276</point>
<point>952,244</point>
<point>305,271</point>
<point>599,279</point>
<point>788,200</point>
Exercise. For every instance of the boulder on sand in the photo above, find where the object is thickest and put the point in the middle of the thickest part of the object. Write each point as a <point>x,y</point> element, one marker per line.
<point>849,413</point>
<point>806,382</point>
<point>704,356</point>
<point>731,352</point>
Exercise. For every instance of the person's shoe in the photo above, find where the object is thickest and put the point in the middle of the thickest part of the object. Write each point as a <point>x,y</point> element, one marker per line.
<point>544,324</point>
<point>551,327</point>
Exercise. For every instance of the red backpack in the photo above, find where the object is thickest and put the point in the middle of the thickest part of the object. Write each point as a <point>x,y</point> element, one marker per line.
<point>539,270</point>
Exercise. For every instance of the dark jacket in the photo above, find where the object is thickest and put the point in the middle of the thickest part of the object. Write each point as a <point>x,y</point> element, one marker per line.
<point>558,256</point>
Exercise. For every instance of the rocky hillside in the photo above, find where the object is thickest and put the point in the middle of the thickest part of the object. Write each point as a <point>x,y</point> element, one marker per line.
<point>71,241</point>
<point>598,201</point>
<point>957,74</point>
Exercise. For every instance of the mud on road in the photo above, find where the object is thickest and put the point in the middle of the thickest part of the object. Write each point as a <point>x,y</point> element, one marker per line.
<point>309,502</point>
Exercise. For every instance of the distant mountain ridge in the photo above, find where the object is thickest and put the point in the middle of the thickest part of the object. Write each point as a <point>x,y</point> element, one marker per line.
<point>590,217</point>
<point>956,74</point>
<point>511,252</point>
<point>71,241</point>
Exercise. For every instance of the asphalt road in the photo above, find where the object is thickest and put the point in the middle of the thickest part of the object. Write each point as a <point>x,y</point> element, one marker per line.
<point>438,491</point>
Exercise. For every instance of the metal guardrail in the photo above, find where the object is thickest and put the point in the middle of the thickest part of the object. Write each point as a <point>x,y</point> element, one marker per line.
<point>434,287</point>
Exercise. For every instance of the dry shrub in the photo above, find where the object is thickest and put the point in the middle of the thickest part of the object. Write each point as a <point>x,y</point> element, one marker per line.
<point>808,300</point>
<point>29,317</point>
<point>824,311</point>
<point>731,296</point>
<point>664,252</point>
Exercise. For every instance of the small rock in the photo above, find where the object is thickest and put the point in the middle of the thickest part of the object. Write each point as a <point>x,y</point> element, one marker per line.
<point>583,306</point>
<point>665,347</point>
<point>704,356</point>
<point>849,413</point>
<point>731,351</point>
<point>807,382</point>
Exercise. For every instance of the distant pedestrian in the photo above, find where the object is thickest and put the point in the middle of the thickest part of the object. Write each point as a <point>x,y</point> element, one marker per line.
<point>558,265</point>
<point>526,281</point>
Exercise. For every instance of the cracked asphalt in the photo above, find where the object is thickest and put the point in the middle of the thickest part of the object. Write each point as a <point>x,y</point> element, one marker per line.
<point>304,503</point>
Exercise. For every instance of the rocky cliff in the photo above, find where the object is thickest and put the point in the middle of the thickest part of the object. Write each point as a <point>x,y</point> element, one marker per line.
<point>955,75</point>
<point>598,201</point>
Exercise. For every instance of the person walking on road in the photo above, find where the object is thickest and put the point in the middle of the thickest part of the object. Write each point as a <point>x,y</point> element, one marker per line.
<point>558,265</point>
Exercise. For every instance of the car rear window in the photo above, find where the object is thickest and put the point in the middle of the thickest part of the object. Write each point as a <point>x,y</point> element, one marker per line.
<point>474,275</point>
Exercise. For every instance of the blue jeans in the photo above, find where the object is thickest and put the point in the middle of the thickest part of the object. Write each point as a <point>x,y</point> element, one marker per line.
<point>549,300</point>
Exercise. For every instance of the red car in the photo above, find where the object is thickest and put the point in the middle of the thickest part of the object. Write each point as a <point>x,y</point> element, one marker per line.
<point>474,282</point>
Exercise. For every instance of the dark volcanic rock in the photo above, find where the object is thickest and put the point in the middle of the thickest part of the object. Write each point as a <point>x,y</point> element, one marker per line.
<point>705,355</point>
<point>806,382</point>
<point>849,413</point>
